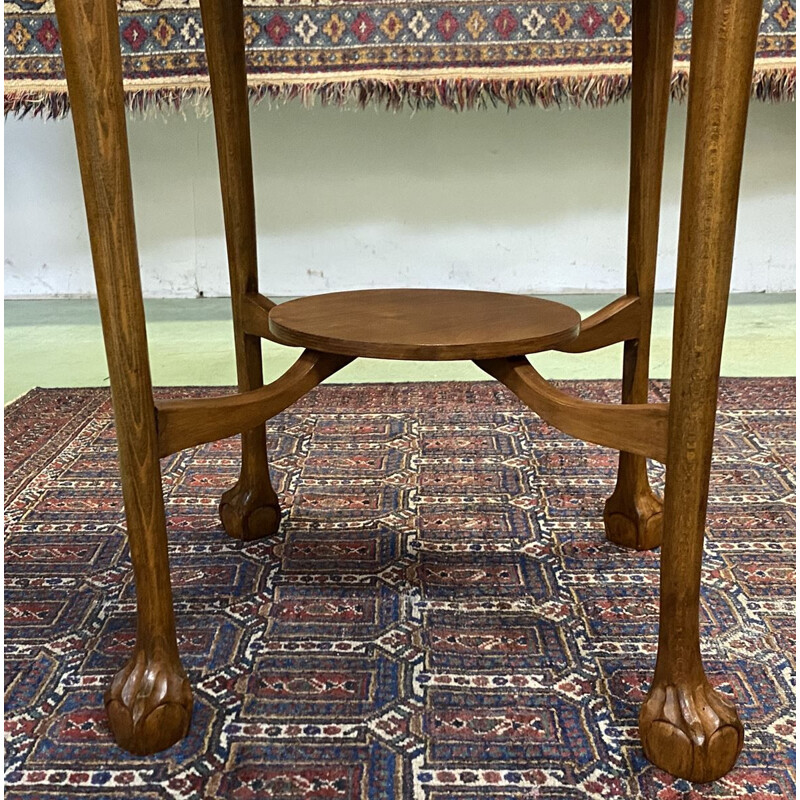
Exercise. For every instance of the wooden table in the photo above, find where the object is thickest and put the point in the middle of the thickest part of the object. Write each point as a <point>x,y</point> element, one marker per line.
<point>687,728</point>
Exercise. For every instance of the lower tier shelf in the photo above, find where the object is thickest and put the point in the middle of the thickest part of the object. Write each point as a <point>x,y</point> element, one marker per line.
<point>424,324</point>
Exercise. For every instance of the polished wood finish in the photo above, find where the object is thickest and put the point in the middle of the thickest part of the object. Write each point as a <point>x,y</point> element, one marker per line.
<point>424,324</point>
<point>149,702</point>
<point>638,429</point>
<point>186,423</point>
<point>688,728</point>
<point>250,509</point>
<point>619,321</point>
<point>255,316</point>
<point>633,513</point>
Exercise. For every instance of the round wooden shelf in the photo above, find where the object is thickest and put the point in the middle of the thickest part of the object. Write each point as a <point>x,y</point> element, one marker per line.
<point>424,324</point>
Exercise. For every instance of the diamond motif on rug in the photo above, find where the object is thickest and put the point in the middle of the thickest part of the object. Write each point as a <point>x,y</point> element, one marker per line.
<point>439,617</point>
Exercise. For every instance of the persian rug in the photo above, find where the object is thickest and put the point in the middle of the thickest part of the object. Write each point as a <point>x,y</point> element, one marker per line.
<point>416,52</point>
<point>439,617</point>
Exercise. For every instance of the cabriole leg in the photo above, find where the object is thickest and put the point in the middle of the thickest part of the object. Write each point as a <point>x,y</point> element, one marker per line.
<point>149,702</point>
<point>633,513</point>
<point>687,727</point>
<point>250,509</point>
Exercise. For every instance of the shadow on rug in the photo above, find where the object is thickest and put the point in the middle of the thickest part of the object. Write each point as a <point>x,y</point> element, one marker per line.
<point>439,618</point>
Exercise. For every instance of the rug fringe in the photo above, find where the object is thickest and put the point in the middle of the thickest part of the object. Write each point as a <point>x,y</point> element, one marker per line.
<point>458,94</point>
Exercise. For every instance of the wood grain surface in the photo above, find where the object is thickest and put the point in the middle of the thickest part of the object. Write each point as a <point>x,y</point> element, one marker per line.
<point>687,727</point>
<point>424,324</point>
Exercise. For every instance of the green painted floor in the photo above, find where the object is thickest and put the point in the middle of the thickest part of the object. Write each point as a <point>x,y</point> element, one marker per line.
<point>59,343</point>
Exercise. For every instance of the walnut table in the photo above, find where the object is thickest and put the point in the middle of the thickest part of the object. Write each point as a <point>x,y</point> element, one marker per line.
<point>687,728</point>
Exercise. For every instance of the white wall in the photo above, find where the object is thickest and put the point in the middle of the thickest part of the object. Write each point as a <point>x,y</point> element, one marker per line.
<point>525,201</point>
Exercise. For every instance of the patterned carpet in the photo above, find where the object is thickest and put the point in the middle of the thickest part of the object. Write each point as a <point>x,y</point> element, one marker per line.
<point>439,618</point>
<point>419,53</point>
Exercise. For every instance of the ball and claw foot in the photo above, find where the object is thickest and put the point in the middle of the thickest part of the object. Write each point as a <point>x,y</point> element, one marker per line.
<point>149,704</point>
<point>692,732</point>
<point>249,513</point>
<point>634,520</point>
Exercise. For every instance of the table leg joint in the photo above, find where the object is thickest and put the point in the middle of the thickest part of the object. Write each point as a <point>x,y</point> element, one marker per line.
<point>634,428</point>
<point>619,321</point>
<point>189,422</point>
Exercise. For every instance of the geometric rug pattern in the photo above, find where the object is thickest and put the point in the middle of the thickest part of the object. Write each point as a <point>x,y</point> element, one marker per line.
<point>419,53</point>
<point>439,616</point>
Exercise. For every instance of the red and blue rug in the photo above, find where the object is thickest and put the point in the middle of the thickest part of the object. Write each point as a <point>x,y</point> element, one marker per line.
<point>439,617</point>
<point>416,53</point>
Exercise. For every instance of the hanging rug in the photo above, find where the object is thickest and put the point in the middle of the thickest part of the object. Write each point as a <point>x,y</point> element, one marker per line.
<point>419,53</point>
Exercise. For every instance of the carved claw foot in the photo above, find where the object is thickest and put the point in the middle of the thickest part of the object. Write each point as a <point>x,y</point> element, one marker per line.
<point>249,513</point>
<point>634,520</point>
<point>692,732</point>
<point>149,703</point>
